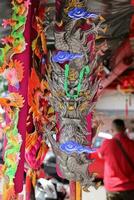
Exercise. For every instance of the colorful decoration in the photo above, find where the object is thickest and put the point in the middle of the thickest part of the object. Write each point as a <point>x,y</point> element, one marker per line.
<point>36,150</point>
<point>14,74</point>
<point>15,42</point>
<point>11,156</point>
<point>11,105</point>
<point>81,13</point>
<point>12,71</point>
<point>62,87</point>
<point>66,93</point>
<point>74,87</point>
<point>40,111</point>
<point>72,147</point>
<point>63,56</point>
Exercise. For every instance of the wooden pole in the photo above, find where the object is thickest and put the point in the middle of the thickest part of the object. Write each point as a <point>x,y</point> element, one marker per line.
<point>75,191</point>
<point>78,191</point>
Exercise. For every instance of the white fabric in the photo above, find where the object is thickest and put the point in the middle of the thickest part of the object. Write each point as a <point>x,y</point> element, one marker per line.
<point>49,188</point>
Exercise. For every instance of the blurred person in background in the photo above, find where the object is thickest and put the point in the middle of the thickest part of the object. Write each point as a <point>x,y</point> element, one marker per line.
<point>118,155</point>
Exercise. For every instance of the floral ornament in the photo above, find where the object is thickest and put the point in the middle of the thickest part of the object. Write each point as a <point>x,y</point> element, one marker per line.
<point>72,147</point>
<point>81,13</point>
<point>14,74</point>
<point>12,71</point>
<point>11,76</point>
<point>27,3</point>
<point>12,150</point>
<point>11,104</point>
<point>36,150</point>
<point>7,22</point>
<point>41,113</point>
<point>40,108</point>
<point>7,40</point>
<point>63,56</point>
<point>15,42</point>
<point>7,105</point>
<point>19,67</point>
<point>40,39</point>
<point>12,100</point>
<point>16,100</point>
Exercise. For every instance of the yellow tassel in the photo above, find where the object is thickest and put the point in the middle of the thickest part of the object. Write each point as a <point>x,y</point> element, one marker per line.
<point>9,192</point>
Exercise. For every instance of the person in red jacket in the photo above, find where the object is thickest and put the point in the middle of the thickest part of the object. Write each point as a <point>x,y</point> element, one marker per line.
<point>118,155</point>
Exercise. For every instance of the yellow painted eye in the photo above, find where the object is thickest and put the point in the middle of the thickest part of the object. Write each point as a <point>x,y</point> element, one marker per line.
<point>61,106</point>
<point>83,106</point>
<point>71,108</point>
<point>50,110</point>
